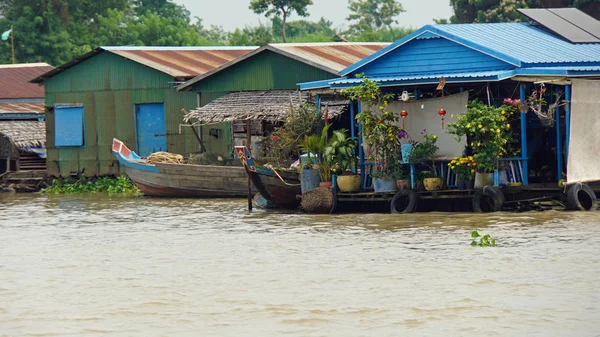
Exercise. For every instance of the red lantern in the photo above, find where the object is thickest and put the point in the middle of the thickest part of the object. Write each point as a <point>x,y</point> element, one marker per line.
<point>403,114</point>
<point>442,113</point>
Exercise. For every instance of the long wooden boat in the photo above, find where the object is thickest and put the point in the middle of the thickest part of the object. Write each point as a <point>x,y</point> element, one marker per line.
<point>280,187</point>
<point>181,180</point>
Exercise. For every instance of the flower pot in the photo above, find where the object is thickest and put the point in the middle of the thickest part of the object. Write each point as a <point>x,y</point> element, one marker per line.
<point>433,184</point>
<point>484,179</point>
<point>461,184</point>
<point>384,185</point>
<point>309,179</point>
<point>402,184</point>
<point>348,183</point>
<point>469,185</point>
<point>325,184</point>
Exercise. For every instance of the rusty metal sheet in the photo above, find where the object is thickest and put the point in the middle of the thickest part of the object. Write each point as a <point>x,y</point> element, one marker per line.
<point>14,80</point>
<point>22,108</point>
<point>185,62</point>
<point>335,56</point>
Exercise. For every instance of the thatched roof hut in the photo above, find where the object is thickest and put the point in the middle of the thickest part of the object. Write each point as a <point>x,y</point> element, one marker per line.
<point>262,105</point>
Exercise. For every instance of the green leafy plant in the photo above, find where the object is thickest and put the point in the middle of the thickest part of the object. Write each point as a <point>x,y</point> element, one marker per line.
<point>282,145</point>
<point>484,241</point>
<point>120,184</point>
<point>379,125</point>
<point>424,152</point>
<point>315,145</point>
<point>487,130</point>
<point>340,151</point>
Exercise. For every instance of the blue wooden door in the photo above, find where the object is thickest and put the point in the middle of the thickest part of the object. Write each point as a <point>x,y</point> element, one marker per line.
<point>150,127</point>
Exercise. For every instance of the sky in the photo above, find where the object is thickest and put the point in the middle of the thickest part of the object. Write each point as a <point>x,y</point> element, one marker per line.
<point>231,14</point>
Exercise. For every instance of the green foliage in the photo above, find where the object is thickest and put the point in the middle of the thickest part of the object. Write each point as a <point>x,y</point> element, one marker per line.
<point>340,151</point>
<point>484,241</point>
<point>316,144</point>
<point>56,31</point>
<point>488,131</point>
<point>283,8</point>
<point>469,11</point>
<point>283,144</point>
<point>385,34</point>
<point>251,36</point>
<point>424,152</point>
<point>379,125</point>
<point>121,184</point>
<point>372,15</point>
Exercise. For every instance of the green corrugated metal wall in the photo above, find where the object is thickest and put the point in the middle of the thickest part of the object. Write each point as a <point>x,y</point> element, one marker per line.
<point>264,71</point>
<point>109,86</point>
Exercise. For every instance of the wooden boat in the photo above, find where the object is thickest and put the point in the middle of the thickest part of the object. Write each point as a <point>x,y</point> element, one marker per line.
<point>281,188</point>
<point>181,180</point>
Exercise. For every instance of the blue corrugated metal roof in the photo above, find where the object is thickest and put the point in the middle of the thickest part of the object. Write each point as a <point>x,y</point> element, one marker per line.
<point>519,44</point>
<point>496,75</point>
<point>523,41</point>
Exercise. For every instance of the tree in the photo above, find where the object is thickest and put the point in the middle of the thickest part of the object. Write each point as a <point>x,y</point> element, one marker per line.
<point>467,11</point>
<point>251,36</point>
<point>372,15</point>
<point>283,8</point>
<point>303,28</point>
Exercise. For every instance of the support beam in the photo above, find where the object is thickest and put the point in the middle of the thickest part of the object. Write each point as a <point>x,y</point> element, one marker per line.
<point>559,159</point>
<point>524,157</point>
<point>567,120</point>
<point>361,152</point>
<point>352,131</point>
<point>318,103</point>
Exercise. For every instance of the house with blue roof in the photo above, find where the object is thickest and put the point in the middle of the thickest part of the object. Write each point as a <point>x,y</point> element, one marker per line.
<point>493,62</point>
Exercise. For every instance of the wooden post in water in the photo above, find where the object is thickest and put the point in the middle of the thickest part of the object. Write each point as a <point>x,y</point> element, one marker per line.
<point>248,142</point>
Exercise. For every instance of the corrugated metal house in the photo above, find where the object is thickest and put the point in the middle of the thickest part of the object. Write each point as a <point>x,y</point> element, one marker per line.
<point>549,55</point>
<point>123,92</point>
<point>22,130</point>
<point>279,66</point>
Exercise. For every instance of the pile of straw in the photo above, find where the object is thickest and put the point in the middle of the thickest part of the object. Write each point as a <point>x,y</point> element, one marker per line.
<point>165,157</point>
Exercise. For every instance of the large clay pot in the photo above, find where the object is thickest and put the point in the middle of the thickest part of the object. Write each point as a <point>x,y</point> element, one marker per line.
<point>433,184</point>
<point>348,183</point>
<point>309,179</point>
<point>382,185</point>
<point>484,179</point>
<point>325,184</point>
<point>402,184</point>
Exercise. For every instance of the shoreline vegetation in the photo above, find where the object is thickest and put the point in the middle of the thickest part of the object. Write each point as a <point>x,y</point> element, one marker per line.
<point>111,185</point>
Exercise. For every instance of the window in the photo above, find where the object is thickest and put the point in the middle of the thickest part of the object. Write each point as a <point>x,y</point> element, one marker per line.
<point>68,126</point>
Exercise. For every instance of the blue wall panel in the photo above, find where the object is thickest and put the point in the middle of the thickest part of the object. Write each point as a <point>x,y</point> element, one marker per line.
<point>151,129</point>
<point>68,126</point>
<point>437,55</point>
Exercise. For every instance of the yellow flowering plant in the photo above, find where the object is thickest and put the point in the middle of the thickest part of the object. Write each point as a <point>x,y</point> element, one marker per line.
<point>488,132</point>
<point>464,167</point>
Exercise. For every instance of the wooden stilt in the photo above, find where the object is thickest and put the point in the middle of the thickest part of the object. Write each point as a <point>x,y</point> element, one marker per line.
<point>248,143</point>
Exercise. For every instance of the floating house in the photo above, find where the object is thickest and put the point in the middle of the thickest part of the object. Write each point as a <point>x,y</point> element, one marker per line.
<point>556,54</point>
<point>128,93</point>
<point>22,127</point>
<point>263,84</point>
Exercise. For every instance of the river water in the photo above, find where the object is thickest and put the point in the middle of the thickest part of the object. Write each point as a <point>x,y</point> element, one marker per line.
<point>115,266</point>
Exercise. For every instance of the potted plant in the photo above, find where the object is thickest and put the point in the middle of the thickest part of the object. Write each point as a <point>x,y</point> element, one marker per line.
<point>340,151</point>
<point>487,130</point>
<point>309,175</point>
<point>424,153</point>
<point>379,131</point>
<point>464,168</point>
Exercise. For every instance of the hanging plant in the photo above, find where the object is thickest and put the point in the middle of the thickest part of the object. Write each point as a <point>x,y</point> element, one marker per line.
<point>536,103</point>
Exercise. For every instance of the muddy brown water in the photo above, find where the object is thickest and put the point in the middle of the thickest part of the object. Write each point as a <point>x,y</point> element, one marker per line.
<point>96,265</point>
